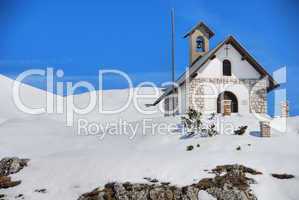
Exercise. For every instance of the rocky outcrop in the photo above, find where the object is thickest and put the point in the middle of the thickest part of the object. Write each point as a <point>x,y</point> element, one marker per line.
<point>10,166</point>
<point>6,182</point>
<point>230,183</point>
<point>233,184</point>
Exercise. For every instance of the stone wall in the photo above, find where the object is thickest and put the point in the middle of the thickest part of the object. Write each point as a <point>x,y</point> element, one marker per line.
<point>195,95</point>
<point>258,97</point>
<point>256,88</point>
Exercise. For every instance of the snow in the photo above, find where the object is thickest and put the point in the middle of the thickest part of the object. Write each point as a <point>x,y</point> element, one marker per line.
<point>203,195</point>
<point>68,164</point>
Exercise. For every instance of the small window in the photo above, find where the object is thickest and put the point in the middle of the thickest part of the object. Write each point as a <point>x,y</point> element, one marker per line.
<point>200,44</point>
<point>227,68</point>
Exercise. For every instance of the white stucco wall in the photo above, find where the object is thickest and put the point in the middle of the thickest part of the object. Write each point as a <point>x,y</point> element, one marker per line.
<point>241,69</point>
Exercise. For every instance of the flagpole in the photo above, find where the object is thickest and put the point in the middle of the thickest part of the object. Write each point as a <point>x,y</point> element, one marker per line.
<point>172,58</point>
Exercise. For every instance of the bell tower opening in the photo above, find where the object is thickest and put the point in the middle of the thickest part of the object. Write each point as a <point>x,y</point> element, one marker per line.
<point>200,44</point>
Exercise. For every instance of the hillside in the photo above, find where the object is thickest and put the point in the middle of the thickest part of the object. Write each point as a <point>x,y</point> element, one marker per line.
<point>68,165</point>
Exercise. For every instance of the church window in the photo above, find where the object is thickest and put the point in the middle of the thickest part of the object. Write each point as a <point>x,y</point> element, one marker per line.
<point>227,69</point>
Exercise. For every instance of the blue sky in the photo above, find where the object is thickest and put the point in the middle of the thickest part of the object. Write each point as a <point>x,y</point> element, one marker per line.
<point>82,37</point>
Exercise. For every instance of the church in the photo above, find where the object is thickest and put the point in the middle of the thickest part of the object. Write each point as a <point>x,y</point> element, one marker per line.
<point>225,79</point>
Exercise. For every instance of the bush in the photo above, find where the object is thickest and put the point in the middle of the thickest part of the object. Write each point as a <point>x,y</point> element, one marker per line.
<point>192,121</point>
<point>194,124</point>
<point>241,130</point>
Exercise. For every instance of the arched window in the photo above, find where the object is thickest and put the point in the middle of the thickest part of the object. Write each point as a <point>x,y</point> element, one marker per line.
<point>200,44</point>
<point>227,68</point>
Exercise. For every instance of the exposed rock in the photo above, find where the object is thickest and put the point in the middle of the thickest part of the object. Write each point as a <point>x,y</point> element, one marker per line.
<point>41,190</point>
<point>283,176</point>
<point>20,196</point>
<point>232,185</point>
<point>235,169</point>
<point>152,180</point>
<point>12,165</point>
<point>6,182</point>
<point>189,148</point>
<point>241,130</point>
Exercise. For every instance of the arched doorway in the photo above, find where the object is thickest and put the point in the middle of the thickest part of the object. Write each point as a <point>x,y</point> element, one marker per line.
<point>227,96</point>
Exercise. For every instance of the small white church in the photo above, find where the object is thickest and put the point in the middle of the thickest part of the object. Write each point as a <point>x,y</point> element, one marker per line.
<point>225,79</point>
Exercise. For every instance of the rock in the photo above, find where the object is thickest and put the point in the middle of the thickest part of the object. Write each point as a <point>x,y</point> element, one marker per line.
<point>41,190</point>
<point>12,165</point>
<point>190,148</point>
<point>283,176</point>
<point>191,192</point>
<point>238,148</point>
<point>154,180</point>
<point>160,193</point>
<point>230,183</point>
<point>165,183</point>
<point>19,196</point>
<point>241,130</point>
<point>235,168</point>
<point>6,182</point>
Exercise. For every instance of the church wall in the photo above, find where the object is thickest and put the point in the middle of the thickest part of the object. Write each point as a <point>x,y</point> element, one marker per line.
<point>240,68</point>
<point>251,94</point>
<point>209,82</point>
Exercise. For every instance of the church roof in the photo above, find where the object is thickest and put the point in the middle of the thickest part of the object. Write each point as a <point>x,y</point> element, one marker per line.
<point>198,26</point>
<point>202,60</point>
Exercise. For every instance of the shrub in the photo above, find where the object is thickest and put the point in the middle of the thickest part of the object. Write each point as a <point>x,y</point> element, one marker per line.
<point>192,121</point>
<point>194,124</point>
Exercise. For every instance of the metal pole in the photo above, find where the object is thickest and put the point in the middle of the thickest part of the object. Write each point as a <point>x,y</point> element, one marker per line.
<point>172,58</point>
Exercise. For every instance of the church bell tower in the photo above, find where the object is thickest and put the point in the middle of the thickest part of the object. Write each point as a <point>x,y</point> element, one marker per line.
<point>199,37</point>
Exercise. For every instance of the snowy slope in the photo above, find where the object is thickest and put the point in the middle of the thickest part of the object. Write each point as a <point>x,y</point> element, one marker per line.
<point>68,165</point>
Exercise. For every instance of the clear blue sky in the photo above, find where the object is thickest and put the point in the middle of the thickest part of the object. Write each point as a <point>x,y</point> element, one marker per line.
<point>134,36</point>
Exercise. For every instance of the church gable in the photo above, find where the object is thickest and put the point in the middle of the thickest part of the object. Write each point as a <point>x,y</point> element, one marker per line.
<point>241,59</point>
<point>227,62</point>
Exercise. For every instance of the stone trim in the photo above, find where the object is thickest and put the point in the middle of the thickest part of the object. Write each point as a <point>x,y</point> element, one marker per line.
<point>265,129</point>
<point>257,91</point>
<point>284,109</point>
